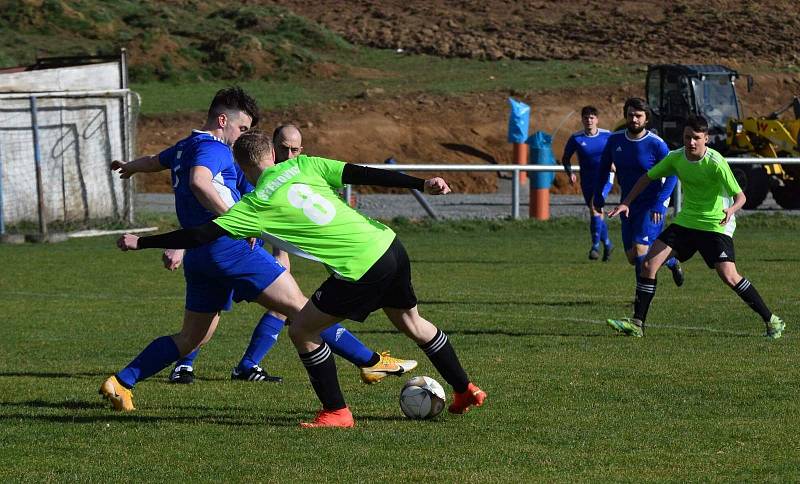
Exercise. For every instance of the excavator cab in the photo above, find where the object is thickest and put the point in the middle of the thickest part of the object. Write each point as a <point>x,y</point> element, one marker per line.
<point>676,91</point>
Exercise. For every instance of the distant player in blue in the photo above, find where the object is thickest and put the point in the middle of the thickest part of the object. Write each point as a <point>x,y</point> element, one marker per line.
<point>589,144</point>
<point>207,182</point>
<point>633,151</point>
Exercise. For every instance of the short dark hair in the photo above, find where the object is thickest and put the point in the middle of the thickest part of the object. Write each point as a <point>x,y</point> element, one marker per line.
<point>231,100</point>
<point>638,104</point>
<point>698,124</point>
<point>589,111</point>
<point>251,147</point>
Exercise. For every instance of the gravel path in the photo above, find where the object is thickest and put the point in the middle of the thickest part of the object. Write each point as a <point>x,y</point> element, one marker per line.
<point>453,206</point>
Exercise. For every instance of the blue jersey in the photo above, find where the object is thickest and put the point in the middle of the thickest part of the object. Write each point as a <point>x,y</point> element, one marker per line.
<point>203,149</point>
<point>632,158</point>
<point>589,149</point>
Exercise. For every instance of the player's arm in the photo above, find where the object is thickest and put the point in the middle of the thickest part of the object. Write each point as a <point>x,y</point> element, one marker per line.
<point>638,188</point>
<point>145,164</point>
<point>606,161</point>
<point>569,150</point>
<point>201,184</point>
<point>738,202</point>
<point>282,257</point>
<point>178,239</point>
<point>731,186</point>
<point>363,175</point>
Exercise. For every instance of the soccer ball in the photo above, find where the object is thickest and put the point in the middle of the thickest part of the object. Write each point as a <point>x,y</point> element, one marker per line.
<point>422,398</point>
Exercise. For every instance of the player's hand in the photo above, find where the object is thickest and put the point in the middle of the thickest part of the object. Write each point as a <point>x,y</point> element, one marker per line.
<point>252,241</point>
<point>128,242</point>
<point>619,209</point>
<point>121,166</point>
<point>572,178</point>
<point>172,258</point>
<point>436,186</point>
<point>728,216</point>
<point>656,216</point>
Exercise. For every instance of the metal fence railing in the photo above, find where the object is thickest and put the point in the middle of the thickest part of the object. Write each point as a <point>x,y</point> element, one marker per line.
<point>517,169</point>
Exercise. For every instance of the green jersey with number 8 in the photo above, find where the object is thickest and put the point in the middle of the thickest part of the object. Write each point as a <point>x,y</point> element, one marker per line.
<point>296,208</point>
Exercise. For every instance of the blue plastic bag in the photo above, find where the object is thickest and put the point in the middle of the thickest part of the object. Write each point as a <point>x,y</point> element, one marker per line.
<point>540,152</point>
<point>519,121</point>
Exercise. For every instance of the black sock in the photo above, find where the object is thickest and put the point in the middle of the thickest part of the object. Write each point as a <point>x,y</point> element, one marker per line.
<point>322,372</point>
<point>443,356</point>
<point>747,291</point>
<point>645,290</point>
<point>372,361</point>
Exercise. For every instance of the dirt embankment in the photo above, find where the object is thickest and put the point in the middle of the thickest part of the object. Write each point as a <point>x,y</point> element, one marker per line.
<point>472,129</point>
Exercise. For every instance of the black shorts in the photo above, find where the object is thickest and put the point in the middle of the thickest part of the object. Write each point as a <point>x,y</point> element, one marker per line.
<point>713,246</point>
<point>387,284</point>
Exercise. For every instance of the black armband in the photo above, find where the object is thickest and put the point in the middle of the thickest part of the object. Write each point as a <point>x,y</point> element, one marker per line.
<point>364,175</point>
<point>184,238</point>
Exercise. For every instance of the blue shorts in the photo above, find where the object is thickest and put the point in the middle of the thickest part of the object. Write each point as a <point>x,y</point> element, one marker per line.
<point>213,282</point>
<point>587,188</point>
<point>638,228</point>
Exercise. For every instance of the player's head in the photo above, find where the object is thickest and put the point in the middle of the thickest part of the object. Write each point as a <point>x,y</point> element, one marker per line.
<point>637,114</point>
<point>589,118</point>
<point>695,136</point>
<point>232,112</point>
<point>254,153</point>
<point>288,142</point>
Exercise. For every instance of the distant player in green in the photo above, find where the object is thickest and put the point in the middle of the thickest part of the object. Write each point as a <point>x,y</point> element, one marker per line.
<point>295,207</point>
<point>711,197</point>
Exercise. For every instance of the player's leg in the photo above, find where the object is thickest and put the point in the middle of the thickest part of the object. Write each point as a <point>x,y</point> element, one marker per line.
<point>318,361</point>
<point>595,218</point>
<point>608,247</point>
<point>436,346</point>
<point>645,291</point>
<point>718,250</point>
<point>264,337</point>
<point>160,353</point>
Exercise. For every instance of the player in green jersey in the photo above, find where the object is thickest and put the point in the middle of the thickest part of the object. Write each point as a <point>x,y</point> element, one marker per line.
<point>711,197</point>
<point>295,207</point>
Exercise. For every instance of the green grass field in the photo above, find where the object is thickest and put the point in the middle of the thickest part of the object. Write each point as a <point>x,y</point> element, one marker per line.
<point>702,398</point>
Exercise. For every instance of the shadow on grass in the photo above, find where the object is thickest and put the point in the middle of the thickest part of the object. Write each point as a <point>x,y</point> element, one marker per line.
<point>291,419</point>
<point>44,374</point>
<point>511,303</point>
<point>496,332</point>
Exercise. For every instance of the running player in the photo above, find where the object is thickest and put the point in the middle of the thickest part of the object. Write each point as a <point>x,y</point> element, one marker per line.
<point>206,182</point>
<point>295,206</point>
<point>633,151</point>
<point>589,144</point>
<point>711,198</point>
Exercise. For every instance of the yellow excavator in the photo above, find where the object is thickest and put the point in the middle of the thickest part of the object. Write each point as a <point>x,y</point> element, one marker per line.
<point>771,137</point>
<point>675,91</point>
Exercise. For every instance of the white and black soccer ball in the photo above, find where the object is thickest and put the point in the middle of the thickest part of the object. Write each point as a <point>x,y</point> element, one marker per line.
<point>422,398</point>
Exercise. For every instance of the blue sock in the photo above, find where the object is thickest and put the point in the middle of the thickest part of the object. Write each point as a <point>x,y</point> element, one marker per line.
<point>265,335</point>
<point>594,228</point>
<point>604,233</point>
<point>188,360</point>
<point>345,344</point>
<point>157,356</point>
<point>671,262</point>
<point>637,264</point>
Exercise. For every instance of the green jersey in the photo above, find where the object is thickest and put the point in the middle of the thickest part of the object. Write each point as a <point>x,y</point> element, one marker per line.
<point>708,186</point>
<point>296,208</point>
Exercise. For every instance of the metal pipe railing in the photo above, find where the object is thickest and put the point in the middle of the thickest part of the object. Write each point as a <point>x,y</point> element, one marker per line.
<point>516,169</point>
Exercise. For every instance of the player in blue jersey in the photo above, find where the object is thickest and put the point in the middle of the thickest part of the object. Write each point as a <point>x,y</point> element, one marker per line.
<point>207,182</point>
<point>632,152</point>
<point>589,144</point>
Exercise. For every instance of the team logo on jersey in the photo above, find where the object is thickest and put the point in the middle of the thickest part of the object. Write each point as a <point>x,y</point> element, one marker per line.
<point>619,148</point>
<point>583,143</point>
<point>645,239</point>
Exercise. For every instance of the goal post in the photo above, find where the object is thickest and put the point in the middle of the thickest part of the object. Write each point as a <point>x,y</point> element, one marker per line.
<point>55,151</point>
<point>62,121</point>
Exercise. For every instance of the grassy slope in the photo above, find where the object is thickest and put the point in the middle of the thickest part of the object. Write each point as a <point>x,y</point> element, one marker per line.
<point>569,401</point>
